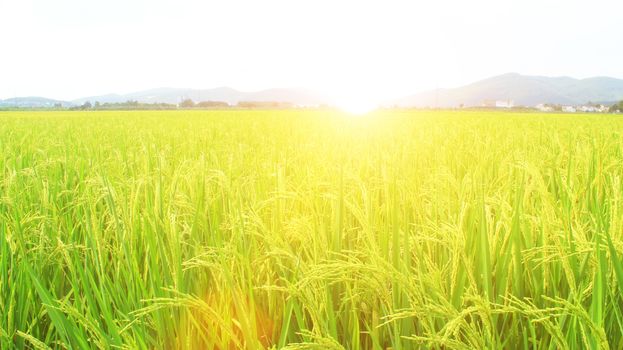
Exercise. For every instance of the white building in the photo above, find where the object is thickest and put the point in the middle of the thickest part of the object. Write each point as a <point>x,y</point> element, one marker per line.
<point>602,109</point>
<point>587,109</point>
<point>569,109</point>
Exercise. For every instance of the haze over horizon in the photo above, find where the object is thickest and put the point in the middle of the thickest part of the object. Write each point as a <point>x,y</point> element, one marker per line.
<point>352,50</point>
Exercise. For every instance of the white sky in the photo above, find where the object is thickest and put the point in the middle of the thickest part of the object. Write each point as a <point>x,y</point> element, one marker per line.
<point>67,49</point>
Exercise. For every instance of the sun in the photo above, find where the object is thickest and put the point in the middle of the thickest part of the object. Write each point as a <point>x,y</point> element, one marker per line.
<point>357,107</point>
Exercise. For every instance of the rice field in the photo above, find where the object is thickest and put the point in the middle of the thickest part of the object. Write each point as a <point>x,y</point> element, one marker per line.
<point>310,230</point>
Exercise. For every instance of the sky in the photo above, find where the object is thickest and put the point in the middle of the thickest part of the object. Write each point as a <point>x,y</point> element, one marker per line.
<point>372,50</point>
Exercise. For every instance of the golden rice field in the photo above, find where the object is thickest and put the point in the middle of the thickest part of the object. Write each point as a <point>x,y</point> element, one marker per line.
<point>310,230</point>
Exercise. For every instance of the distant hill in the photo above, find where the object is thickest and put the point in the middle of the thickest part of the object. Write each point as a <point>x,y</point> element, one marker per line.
<point>522,89</point>
<point>297,96</point>
<point>32,102</point>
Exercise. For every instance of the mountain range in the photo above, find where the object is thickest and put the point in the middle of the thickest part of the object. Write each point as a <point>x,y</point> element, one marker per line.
<point>33,102</point>
<point>298,96</point>
<point>524,90</point>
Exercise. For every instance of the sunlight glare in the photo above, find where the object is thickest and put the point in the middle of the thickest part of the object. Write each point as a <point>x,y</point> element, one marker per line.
<point>357,104</point>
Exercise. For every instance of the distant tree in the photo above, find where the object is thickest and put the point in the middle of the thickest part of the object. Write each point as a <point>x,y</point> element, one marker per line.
<point>58,105</point>
<point>617,107</point>
<point>97,104</point>
<point>187,103</point>
<point>86,105</point>
<point>212,104</point>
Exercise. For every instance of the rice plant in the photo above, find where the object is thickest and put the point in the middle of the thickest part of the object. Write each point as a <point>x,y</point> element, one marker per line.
<point>310,230</point>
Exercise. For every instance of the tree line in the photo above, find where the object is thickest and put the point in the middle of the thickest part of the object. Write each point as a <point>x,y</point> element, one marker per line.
<point>184,104</point>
